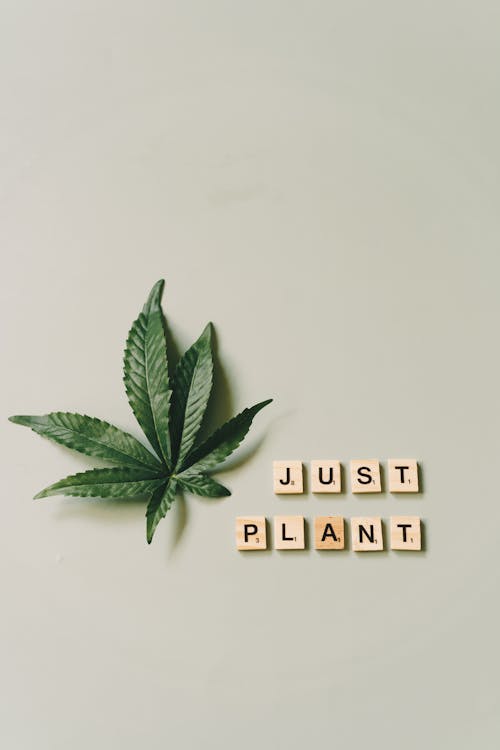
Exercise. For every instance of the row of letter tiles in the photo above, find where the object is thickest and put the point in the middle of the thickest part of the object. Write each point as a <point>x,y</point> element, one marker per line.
<point>326,476</point>
<point>366,532</point>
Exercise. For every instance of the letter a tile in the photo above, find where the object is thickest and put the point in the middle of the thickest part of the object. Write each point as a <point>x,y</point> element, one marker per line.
<point>365,476</point>
<point>325,476</point>
<point>403,475</point>
<point>329,532</point>
<point>289,532</point>
<point>251,533</point>
<point>367,534</point>
<point>405,533</point>
<point>287,476</point>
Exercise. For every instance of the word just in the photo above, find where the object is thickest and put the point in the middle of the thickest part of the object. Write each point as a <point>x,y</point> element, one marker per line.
<point>326,476</point>
<point>367,534</point>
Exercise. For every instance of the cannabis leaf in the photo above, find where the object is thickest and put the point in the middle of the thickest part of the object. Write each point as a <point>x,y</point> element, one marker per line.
<point>170,413</point>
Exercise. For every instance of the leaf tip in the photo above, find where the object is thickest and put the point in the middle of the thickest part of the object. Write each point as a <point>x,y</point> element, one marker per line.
<point>150,528</point>
<point>207,333</point>
<point>155,295</point>
<point>18,419</point>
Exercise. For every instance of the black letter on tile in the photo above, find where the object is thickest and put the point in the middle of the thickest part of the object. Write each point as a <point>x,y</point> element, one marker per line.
<point>329,531</point>
<point>283,532</point>
<point>364,471</point>
<point>247,528</point>
<point>330,477</point>
<point>402,470</point>
<point>287,480</point>
<point>404,526</point>
<point>370,536</point>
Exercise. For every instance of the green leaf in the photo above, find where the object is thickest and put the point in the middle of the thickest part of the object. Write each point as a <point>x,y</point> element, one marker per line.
<point>201,484</point>
<point>91,436</point>
<point>169,417</point>
<point>191,391</point>
<point>146,374</point>
<point>105,483</point>
<point>160,502</point>
<point>223,441</point>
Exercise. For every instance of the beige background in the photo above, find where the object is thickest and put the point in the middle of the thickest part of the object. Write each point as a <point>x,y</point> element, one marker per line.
<point>321,180</point>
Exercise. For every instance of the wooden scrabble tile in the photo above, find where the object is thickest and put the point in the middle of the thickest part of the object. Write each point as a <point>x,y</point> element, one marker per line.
<point>325,476</point>
<point>365,476</point>
<point>289,532</point>
<point>287,476</point>
<point>329,532</point>
<point>367,534</point>
<point>251,533</point>
<point>403,475</point>
<point>405,533</point>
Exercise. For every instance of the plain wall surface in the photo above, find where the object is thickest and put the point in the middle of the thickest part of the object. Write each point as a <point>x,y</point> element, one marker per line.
<point>319,179</point>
